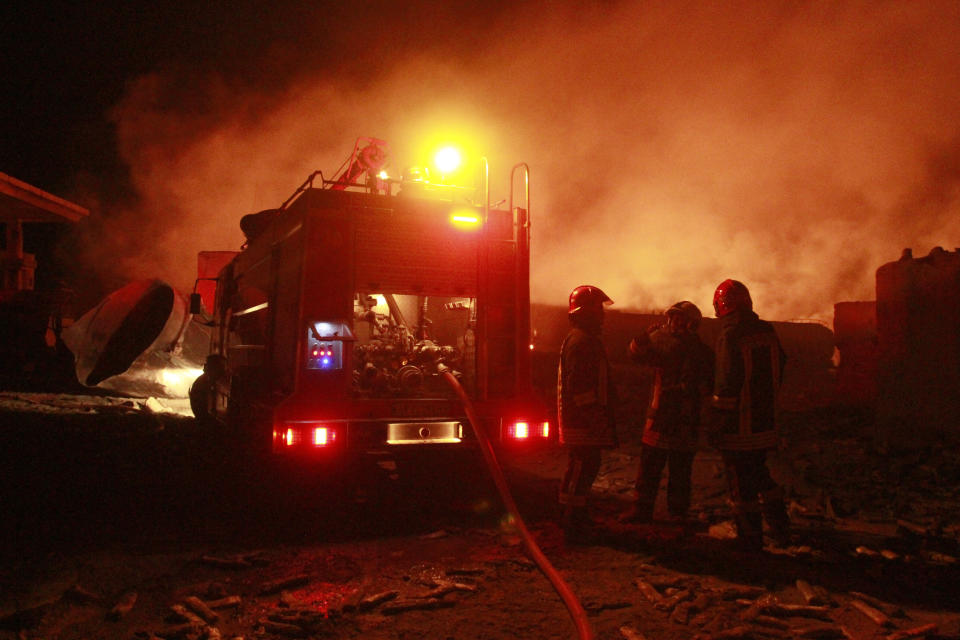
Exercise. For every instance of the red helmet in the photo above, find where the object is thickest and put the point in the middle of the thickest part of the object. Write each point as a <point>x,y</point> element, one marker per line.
<point>587,298</point>
<point>690,312</point>
<point>730,296</point>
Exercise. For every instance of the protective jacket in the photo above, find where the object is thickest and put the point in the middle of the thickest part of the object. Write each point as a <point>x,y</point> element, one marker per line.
<point>585,394</point>
<point>748,372</point>
<point>683,375</point>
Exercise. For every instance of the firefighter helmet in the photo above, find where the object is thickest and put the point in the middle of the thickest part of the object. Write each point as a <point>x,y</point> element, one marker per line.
<point>587,298</point>
<point>690,313</point>
<point>730,296</point>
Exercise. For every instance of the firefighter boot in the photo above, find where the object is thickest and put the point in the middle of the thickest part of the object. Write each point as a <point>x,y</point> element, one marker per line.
<point>640,513</point>
<point>678,508</point>
<point>775,513</point>
<point>749,522</point>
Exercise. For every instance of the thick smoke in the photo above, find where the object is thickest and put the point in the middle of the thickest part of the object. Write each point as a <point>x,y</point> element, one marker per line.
<point>793,146</point>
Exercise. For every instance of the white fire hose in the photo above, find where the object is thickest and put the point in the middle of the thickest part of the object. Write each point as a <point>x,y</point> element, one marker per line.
<point>577,612</point>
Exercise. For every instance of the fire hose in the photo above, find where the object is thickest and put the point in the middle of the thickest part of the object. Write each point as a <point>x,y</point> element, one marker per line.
<point>577,612</point>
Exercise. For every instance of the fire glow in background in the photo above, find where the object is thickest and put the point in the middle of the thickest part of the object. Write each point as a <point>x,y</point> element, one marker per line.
<point>794,146</point>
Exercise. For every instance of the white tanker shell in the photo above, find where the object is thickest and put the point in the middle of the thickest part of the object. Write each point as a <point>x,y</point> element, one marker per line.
<point>143,319</point>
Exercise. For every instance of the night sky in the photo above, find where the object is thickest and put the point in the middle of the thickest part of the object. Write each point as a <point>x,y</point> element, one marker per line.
<point>67,66</point>
<point>795,146</point>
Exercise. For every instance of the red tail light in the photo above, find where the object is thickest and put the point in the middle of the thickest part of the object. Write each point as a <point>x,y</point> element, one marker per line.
<point>523,430</point>
<point>317,436</point>
<point>322,436</point>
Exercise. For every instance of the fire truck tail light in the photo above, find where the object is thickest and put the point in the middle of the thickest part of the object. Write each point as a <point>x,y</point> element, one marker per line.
<point>322,436</point>
<point>519,430</point>
<point>318,436</point>
<point>523,430</point>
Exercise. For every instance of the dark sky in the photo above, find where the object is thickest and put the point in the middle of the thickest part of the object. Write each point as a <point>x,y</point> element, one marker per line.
<point>796,146</point>
<point>67,64</point>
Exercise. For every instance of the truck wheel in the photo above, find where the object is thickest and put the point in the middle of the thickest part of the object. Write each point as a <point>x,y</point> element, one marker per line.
<point>201,392</point>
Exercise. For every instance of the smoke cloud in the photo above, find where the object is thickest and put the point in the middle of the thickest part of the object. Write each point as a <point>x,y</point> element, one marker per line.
<point>793,146</point>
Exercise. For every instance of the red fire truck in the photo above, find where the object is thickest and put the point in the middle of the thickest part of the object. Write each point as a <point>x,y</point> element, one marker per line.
<point>334,325</point>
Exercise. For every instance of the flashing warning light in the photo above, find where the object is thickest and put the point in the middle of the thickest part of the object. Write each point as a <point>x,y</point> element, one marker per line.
<point>290,437</point>
<point>545,430</point>
<point>466,219</point>
<point>447,159</point>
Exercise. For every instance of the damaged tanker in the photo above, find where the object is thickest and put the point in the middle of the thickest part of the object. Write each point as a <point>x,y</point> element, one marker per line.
<point>352,313</point>
<point>140,341</point>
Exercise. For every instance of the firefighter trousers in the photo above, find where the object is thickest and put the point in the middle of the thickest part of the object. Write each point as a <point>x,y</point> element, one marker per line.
<point>679,465</point>
<point>755,497</point>
<point>583,465</point>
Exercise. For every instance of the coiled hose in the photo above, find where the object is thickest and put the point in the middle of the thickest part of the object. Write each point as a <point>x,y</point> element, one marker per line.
<point>577,612</point>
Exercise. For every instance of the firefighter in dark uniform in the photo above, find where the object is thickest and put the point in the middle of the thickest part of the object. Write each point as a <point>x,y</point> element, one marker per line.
<point>585,403</point>
<point>683,377</point>
<point>743,421</point>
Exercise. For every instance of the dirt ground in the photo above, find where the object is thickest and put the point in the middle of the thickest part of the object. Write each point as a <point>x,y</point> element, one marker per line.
<point>122,521</point>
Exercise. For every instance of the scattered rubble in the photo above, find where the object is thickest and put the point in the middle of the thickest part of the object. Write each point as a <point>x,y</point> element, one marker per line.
<point>372,601</point>
<point>631,634</point>
<point>200,608</point>
<point>123,606</point>
<point>223,603</point>
<point>290,582</point>
<point>797,593</point>
<point>916,632</point>
<point>876,615</point>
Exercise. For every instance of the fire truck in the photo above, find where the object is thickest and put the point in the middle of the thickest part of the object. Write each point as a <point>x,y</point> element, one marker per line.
<point>333,327</point>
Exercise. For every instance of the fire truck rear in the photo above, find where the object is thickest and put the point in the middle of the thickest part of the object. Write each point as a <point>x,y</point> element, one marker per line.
<point>334,325</point>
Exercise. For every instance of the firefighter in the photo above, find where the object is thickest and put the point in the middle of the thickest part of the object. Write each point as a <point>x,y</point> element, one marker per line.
<point>743,426</point>
<point>201,391</point>
<point>683,377</point>
<point>585,404</point>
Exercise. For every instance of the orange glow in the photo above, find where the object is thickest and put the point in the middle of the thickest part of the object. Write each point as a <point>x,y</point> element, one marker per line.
<point>545,430</point>
<point>289,437</point>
